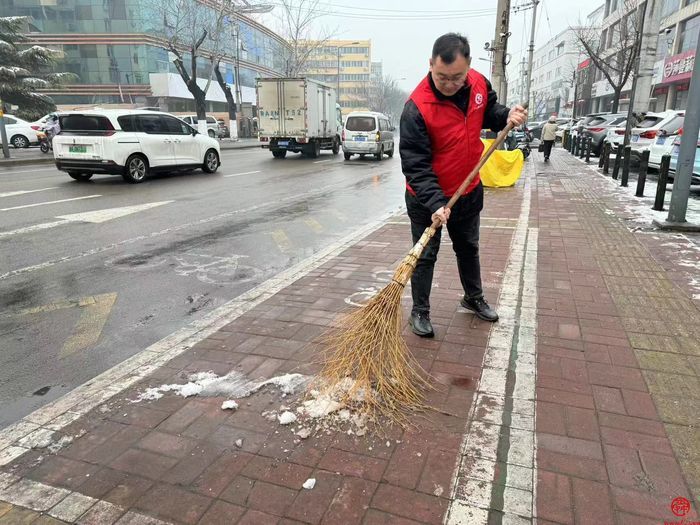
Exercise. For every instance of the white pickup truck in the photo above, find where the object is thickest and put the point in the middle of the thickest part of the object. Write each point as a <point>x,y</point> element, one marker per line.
<point>298,115</point>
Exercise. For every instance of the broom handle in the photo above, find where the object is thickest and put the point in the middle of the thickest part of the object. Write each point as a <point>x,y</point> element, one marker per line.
<point>497,142</point>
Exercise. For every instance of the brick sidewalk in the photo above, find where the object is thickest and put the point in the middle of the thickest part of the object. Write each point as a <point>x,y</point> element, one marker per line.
<point>579,406</point>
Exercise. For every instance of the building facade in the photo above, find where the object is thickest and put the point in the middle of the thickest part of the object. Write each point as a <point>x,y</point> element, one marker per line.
<point>117,50</point>
<point>347,65</point>
<point>675,54</point>
<point>553,75</point>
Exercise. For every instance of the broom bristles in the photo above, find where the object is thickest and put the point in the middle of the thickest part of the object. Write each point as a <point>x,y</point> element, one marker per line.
<point>366,345</point>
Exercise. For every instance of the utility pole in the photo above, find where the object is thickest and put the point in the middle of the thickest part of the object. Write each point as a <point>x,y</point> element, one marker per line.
<point>641,12</point>
<point>500,39</point>
<point>686,155</point>
<point>530,52</point>
<point>3,132</point>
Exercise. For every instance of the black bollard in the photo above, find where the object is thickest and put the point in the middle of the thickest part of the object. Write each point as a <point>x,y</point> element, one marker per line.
<point>663,179</point>
<point>642,178</point>
<point>626,166</point>
<point>563,139</point>
<point>573,145</point>
<point>618,160</point>
<point>605,150</point>
<point>606,158</point>
<point>582,149</point>
<point>589,145</point>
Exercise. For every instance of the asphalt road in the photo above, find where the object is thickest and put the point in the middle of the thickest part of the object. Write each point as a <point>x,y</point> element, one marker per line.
<point>92,273</point>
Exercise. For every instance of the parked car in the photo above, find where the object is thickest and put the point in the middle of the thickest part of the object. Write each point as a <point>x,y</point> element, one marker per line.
<point>644,134</point>
<point>597,129</point>
<point>695,174</point>
<point>130,143</point>
<point>212,125</point>
<point>535,128</point>
<point>20,132</point>
<point>367,132</point>
<point>662,145</point>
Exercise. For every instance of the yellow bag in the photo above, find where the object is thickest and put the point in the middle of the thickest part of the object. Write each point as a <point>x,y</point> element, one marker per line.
<point>503,168</point>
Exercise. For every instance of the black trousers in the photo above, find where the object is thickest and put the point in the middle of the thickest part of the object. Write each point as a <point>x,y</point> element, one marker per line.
<point>548,148</point>
<point>463,228</point>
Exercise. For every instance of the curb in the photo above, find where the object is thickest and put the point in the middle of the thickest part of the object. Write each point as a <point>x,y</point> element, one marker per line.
<point>677,226</point>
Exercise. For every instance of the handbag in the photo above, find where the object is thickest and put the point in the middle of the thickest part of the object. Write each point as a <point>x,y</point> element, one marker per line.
<point>540,148</point>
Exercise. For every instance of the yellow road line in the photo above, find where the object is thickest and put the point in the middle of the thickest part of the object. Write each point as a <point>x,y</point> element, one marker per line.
<point>314,225</point>
<point>282,241</point>
<point>94,313</point>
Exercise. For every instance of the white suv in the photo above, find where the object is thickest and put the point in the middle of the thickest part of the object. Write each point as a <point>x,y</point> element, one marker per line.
<point>130,143</point>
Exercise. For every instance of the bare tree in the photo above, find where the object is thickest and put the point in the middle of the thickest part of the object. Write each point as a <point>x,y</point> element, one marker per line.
<point>386,97</point>
<point>305,38</point>
<point>615,53</point>
<point>190,31</point>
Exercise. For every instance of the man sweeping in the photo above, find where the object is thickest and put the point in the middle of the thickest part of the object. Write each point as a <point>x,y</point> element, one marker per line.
<point>440,144</point>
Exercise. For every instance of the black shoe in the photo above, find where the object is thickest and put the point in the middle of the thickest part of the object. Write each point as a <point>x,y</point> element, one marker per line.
<point>421,325</point>
<point>481,308</point>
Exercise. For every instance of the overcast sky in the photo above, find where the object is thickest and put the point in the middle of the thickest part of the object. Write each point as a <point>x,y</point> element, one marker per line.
<point>403,31</point>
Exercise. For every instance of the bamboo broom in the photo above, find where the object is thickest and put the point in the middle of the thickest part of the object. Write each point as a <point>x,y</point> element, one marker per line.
<point>367,364</point>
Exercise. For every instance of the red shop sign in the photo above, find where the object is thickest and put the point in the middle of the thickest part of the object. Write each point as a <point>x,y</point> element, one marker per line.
<point>678,67</point>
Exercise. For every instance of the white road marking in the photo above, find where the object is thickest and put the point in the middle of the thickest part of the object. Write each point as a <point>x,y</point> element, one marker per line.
<point>23,192</point>
<point>94,217</point>
<point>109,214</point>
<point>239,174</point>
<point>503,409</point>
<point>322,161</point>
<point>3,172</point>
<point>49,202</point>
<point>61,412</point>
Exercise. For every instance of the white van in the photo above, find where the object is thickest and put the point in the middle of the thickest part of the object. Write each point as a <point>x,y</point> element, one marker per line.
<point>368,133</point>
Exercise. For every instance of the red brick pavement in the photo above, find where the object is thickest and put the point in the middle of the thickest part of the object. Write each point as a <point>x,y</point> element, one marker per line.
<point>603,450</point>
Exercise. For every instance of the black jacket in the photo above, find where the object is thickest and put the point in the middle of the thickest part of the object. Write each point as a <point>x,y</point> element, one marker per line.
<point>416,150</point>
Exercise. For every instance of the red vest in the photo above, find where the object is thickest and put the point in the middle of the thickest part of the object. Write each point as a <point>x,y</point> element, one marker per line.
<point>454,138</point>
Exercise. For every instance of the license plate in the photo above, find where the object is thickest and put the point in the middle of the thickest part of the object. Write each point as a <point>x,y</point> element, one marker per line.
<point>635,138</point>
<point>77,149</point>
<point>661,140</point>
<point>283,143</point>
<point>360,139</point>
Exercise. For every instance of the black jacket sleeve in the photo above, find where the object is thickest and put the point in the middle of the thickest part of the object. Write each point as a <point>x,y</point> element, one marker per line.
<point>496,115</point>
<point>416,159</point>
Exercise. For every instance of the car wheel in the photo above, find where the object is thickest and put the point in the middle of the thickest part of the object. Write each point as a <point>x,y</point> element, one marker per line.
<point>20,141</point>
<point>390,153</point>
<point>80,176</point>
<point>380,154</point>
<point>211,133</point>
<point>336,146</point>
<point>136,169</point>
<point>314,149</point>
<point>279,153</point>
<point>347,156</point>
<point>211,161</point>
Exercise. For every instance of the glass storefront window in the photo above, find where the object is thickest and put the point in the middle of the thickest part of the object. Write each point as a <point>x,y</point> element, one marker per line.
<point>689,34</point>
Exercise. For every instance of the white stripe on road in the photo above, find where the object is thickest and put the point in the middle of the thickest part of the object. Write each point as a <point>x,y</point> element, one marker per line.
<point>7,172</point>
<point>497,469</point>
<point>322,161</point>
<point>240,174</point>
<point>49,202</point>
<point>35,228</point>
<point>95,217</point>
<point>23,192</point>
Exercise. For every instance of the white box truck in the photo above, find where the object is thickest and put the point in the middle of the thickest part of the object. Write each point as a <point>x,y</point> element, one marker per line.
<point>298,115</point>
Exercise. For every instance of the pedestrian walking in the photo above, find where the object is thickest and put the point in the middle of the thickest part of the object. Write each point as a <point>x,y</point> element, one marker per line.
<point>549,135</point>
<point>440,144</point>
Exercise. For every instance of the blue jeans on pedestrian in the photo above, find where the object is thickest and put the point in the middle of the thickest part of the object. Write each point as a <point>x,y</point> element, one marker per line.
<point>463,228</point>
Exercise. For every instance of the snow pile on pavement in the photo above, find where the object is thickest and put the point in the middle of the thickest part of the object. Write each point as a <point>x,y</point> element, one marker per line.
<point>232,385</point>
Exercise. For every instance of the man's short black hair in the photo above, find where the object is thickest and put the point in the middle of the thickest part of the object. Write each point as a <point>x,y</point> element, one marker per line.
<point>449,45</point>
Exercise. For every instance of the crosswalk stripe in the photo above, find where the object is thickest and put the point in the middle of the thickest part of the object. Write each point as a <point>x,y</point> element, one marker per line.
<point>49,202</point>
